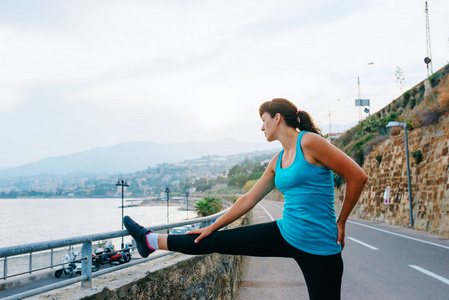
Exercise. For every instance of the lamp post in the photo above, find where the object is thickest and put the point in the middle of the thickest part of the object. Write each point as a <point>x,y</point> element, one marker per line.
<point>330,126</point>
<point>187,199</point>
<point>167,191</point>
<point>122,183</point>
<point>394,124</point>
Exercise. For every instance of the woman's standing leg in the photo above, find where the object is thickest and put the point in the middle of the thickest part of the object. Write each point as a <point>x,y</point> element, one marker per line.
<point>323,275</point>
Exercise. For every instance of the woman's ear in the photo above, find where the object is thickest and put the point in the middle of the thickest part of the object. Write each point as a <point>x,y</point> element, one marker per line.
<point>277,118</point>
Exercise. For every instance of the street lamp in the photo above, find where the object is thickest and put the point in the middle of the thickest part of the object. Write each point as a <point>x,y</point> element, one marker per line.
<point>395,124</point>
<point>167,191</point>
<point>330,126</point>
<point>187,199</point>
<point>122,183</point>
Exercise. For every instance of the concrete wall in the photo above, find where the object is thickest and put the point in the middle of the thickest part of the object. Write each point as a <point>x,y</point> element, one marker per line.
<point>429,180</point>
<point>179,276</point>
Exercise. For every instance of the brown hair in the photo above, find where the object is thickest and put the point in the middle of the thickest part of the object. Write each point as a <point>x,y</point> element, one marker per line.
<point>290,114</point>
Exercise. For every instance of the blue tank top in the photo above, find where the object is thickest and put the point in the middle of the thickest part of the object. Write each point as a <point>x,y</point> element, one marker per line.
<point>308,222</point>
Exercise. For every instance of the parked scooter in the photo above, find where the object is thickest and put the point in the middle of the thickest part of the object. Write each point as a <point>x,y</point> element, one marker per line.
<point>95,265</point>
<point>71,266</point>
<point>127,252</point>
<point>68,266</point>
<point>109,255</point>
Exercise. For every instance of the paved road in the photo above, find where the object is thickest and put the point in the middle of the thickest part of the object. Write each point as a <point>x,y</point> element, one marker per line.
<point>381,262</point>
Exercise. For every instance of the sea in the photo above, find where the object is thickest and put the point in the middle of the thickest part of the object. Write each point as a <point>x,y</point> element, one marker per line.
<point>24,221</point>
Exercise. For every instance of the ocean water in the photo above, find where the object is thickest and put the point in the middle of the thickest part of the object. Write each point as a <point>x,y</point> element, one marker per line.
<point>24,221</point>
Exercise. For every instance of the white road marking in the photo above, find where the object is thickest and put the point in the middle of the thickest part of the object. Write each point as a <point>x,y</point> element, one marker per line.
<point>401,235</point>
<point>271,217</point>
<point>440,278</point>
<point>362,243</point>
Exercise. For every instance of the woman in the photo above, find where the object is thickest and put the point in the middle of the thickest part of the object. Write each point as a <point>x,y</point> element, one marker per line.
<point>308,231</point>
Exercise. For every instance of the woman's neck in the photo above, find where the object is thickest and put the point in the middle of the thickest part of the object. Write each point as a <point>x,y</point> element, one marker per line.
<point>288,139</point>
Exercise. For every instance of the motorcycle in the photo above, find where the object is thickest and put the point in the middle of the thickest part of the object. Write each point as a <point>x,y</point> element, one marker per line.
<point>109,255</point>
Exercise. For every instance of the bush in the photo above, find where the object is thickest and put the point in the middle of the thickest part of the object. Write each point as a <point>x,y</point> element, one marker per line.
<point>359,156</point>
<point>429,115</point>
<point>405,99</point>
<point>392,117</point>
<point>406,96</point>
<point>379,158</point>
<point>395,131</point>
<point>238,181</point>
<point>434,79</point>
<point>338,180</point>
<point>255,176</point>
<point>417,155</point>
<point>411,103</point>
<point>248,185</point>
<point>443,89</point>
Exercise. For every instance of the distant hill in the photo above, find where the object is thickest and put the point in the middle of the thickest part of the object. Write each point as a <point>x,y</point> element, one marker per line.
<point>131,157</point>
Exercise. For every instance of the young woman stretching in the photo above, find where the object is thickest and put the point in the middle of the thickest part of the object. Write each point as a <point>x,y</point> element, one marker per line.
<point>308,231</point>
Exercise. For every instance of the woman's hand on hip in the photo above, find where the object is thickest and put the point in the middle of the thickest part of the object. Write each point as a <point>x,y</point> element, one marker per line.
<point>341,234</point>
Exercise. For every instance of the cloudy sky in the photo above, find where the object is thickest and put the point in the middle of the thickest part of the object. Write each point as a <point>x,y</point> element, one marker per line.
<point>81,74</point>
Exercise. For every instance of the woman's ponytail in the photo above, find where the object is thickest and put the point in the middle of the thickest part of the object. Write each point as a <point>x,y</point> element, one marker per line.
<point>292,116</point>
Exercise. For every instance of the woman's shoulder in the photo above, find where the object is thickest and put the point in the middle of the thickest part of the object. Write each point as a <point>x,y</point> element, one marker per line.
<point>311,137</point>
<point>273,161</point>
<point>314,142</point>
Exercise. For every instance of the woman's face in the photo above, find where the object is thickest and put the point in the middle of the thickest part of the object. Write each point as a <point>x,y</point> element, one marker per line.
<point>268,126</point>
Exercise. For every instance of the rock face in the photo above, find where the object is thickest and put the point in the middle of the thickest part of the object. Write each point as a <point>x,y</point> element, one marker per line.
<point>429,180</point>
<point>211,276</point>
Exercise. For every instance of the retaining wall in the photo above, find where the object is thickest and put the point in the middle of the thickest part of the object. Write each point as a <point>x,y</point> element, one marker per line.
<point>212,276</point>
<point>386,166</point>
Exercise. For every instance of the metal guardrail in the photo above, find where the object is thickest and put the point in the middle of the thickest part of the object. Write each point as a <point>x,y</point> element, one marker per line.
<point>86,254</point>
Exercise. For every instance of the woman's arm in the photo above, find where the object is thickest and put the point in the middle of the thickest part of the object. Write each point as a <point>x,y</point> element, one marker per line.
<point>317,148</point>
<point>245,203</point>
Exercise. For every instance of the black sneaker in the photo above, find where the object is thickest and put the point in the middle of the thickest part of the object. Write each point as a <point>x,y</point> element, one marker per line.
<point>139,234</point>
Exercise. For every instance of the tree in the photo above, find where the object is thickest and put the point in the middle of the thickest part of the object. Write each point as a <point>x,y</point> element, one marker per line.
<point>208,206</point>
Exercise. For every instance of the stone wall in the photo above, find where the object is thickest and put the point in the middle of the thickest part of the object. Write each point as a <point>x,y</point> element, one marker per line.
<point>275,195</point>
<point>179,276</point>
<point>429,180</point>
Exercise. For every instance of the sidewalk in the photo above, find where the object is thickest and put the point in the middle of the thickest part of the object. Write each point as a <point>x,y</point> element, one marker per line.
<point>271,277</point>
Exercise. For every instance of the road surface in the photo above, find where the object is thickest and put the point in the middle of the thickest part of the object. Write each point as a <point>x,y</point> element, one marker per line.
<point>380,262</point>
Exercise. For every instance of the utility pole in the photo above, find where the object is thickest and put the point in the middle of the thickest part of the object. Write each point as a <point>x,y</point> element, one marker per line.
<point>428,59</point>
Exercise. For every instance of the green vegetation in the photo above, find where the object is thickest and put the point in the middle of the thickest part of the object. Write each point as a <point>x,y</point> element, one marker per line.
<point>379,158</point>
<point>208,206</point>
<point>338,180</point>
<point>417,155</point>
<point>239,175</point>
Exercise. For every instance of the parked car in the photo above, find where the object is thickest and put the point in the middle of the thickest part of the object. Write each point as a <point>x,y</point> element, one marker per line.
<point>178,230</point>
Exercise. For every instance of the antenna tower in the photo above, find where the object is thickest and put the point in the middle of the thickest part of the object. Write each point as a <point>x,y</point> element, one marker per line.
<point>428,59</point>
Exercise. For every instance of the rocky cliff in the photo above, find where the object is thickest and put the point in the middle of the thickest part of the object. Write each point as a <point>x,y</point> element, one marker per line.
<point>385,165</point>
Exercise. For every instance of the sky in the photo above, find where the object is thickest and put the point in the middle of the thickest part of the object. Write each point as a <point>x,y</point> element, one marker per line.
<point>75,75</point>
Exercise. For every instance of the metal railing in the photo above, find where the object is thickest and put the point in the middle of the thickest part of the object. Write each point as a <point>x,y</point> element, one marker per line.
<point>86,255</point>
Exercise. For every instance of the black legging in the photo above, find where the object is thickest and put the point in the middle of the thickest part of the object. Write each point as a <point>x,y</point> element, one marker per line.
<point>322,273</point>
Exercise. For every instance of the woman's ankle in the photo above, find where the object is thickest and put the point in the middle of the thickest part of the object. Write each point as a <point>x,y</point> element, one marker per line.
<point>162,241</point>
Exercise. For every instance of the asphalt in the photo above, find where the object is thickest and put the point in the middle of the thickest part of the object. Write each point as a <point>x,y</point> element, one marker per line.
<point>381,261</point>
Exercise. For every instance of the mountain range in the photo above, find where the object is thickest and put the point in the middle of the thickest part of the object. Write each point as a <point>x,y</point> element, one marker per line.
<point>132,157</point>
